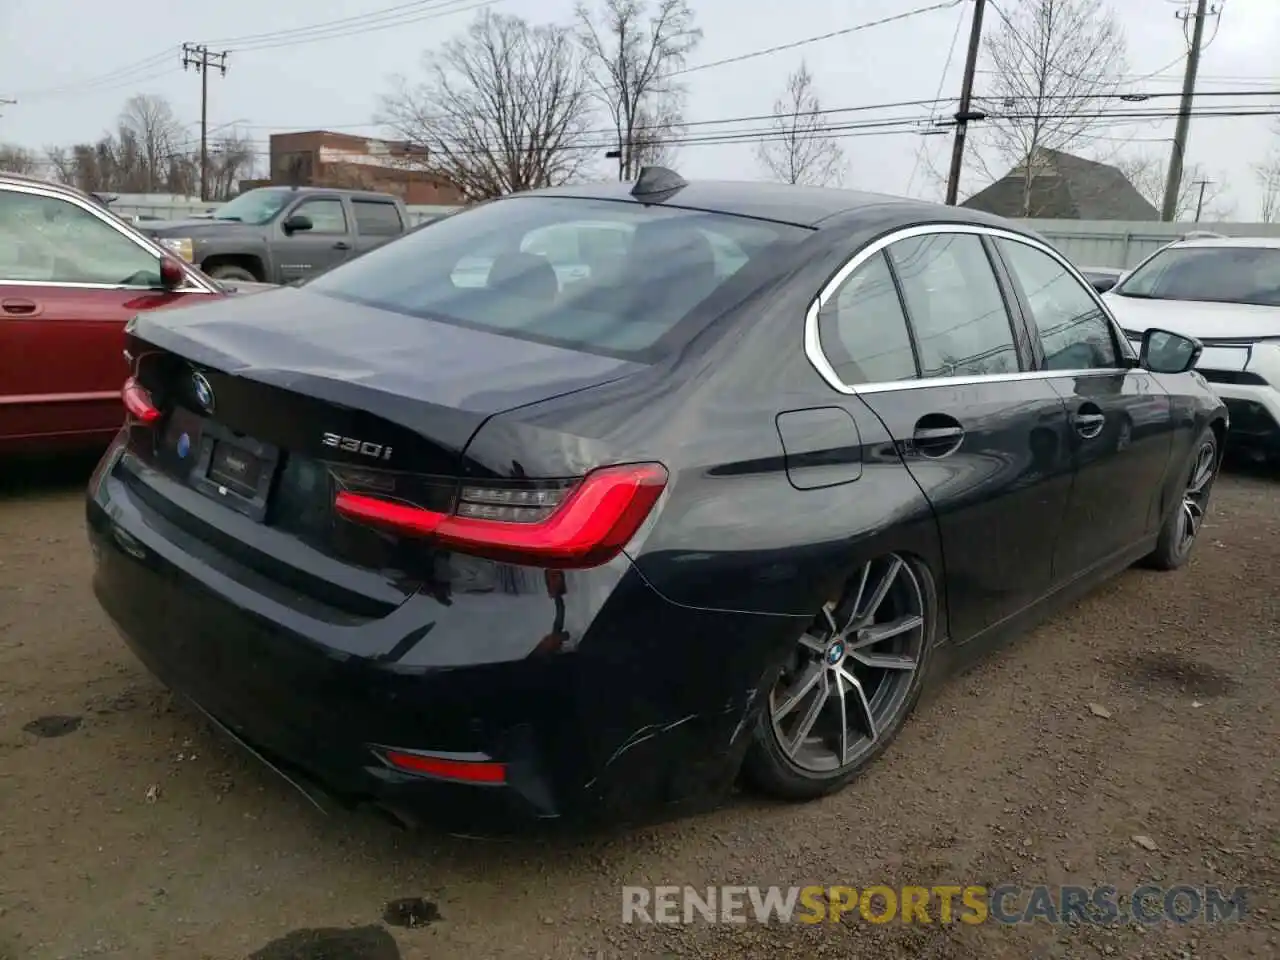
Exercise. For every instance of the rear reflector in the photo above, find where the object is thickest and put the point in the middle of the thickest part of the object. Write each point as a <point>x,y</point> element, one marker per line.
<point>138,402</point>
<point>588,527</point>
<point>469,771</point>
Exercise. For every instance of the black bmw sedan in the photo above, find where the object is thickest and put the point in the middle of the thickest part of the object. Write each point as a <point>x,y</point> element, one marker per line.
<point>594,501</point>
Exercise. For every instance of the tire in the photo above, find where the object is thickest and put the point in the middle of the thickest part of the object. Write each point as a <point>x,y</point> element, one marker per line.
<point>229,271</point>
<point>784,763</point>
<point>1173,548</point>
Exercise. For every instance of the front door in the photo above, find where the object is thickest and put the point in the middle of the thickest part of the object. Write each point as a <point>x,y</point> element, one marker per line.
<point>69,281</point>
<point>1121,418</point>
<point>922,332</point>
<point>306,253</point>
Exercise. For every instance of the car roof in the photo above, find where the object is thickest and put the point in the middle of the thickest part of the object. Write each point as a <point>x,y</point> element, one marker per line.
<point>1267,243</point>
<point>344,191</point>
<point>24,181</point>
<point>783,202</point>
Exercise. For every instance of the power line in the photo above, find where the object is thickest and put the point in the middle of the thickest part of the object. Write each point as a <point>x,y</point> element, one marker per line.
<point>817,39</point>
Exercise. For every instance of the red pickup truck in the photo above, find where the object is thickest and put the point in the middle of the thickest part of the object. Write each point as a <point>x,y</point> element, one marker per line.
<point>72,274</point>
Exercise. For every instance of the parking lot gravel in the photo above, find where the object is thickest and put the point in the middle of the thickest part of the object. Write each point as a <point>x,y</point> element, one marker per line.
<point>130,829</point>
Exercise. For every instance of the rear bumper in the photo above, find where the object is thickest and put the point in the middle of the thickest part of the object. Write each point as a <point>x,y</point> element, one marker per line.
<point>643,706</point>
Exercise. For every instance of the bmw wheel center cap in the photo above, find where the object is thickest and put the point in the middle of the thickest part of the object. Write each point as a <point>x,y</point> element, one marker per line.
<point>835,653</point>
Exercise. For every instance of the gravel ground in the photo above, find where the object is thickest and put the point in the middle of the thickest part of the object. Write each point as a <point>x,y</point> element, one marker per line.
<point>128,829</point>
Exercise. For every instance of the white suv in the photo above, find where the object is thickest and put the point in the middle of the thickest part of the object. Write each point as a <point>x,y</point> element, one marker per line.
<point>1224,291</point>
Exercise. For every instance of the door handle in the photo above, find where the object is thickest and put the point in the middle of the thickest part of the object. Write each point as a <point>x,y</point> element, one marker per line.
<point>1089,421</point>
<point>19,307</point>
<point>342,245</point>
<point>937,435</point>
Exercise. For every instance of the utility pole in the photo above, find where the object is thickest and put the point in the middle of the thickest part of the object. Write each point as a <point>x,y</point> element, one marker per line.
<point>200,58</point>
<point>964,114</point>
<point>1200,203</point>
<point>1174,182</point>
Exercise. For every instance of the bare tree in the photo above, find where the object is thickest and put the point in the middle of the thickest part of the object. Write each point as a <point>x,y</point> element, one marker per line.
<point>231,159</point>
<point>61,164</point>
<point>151,122</point>
<point>633,48</point>
<point>20,160</point>
<point>1147,174</point>
<point>1054,63</point>
<point>1267,174</point>
<point>503,108</point>
<point>800,150</point>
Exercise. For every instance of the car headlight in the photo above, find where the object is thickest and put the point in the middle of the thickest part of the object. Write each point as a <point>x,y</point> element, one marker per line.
<point>182,246</point>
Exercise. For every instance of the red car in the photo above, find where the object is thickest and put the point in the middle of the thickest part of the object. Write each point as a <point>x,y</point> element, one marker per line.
<point>72,274</point>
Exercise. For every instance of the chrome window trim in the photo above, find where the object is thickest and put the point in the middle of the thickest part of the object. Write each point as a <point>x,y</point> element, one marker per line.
<point>195,284</point>
<point>817,357</point>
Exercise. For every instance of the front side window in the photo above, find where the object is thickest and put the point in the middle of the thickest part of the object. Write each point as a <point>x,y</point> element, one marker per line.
<point>327,216</point>
<point>863,330</point>
<point>1074,329</point>
<point>961,324</point>
<point>1217,274</point>
<point>617,278</point>
<point>255,206</point>
<point>51,240</point>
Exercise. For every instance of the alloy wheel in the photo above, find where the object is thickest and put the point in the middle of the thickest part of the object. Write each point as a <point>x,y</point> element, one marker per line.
<point>850,678</point>
<point>1195,501</point>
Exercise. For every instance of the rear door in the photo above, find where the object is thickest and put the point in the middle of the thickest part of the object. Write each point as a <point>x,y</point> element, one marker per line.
<point>331,239</point>
<point>377,221</point>
<point>1121,418</point>
<point>69,281</point>
<point>921,331</point>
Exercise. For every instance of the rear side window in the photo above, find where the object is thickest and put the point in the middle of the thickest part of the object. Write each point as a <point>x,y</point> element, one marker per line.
<point>957,311</point>
<point>608,277</point>
<point>1074,330</point>
<point>376,218</point>
<point>863,329</point>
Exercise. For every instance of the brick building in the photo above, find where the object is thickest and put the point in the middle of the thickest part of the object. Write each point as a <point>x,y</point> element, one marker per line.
<point>326,159</point>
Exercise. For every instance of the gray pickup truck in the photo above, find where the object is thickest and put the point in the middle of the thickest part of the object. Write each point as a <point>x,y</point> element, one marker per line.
<point>283,234</point>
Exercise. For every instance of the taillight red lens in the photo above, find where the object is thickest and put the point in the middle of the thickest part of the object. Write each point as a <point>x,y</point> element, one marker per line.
<point>467,771</point>
<point>138,402</point>
<point>588,527</point>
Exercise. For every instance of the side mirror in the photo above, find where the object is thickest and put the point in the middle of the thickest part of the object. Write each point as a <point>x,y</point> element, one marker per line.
<point>1165,352</point>
<point>1103,284</point>
<point>172,275</point>
<point>297,222</point>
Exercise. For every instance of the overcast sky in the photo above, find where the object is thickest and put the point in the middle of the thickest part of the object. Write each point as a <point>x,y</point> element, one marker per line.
<point>64,59</point>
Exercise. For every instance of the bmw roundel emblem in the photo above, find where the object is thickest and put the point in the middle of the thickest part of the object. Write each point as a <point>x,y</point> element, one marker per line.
<point>184,445</point>
<point>203,392</point>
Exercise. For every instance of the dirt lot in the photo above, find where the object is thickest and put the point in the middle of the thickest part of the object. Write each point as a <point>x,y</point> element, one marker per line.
<point>128,829</point>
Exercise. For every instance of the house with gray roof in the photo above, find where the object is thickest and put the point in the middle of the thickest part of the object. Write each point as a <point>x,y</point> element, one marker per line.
<point>1064,187</point>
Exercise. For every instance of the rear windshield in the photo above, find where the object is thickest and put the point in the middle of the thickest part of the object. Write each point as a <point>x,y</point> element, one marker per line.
<point>596,275</point>
<point>1214,274</point>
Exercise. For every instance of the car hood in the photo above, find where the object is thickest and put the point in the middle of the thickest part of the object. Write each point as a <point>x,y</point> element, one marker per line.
<point>371,359</point>
<point>190,227</point>
<point>1195,318</point>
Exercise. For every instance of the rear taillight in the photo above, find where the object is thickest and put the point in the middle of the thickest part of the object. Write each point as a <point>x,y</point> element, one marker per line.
<point>138,402</point>
<point>447,768</point>
<point>585,525</point>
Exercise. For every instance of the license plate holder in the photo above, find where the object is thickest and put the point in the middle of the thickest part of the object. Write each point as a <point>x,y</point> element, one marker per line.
<point>235,470</point>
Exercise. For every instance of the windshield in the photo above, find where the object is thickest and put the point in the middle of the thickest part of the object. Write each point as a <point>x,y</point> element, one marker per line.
<point>1215,274</point>
<point>596,275</point>
<point>256,206</point>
